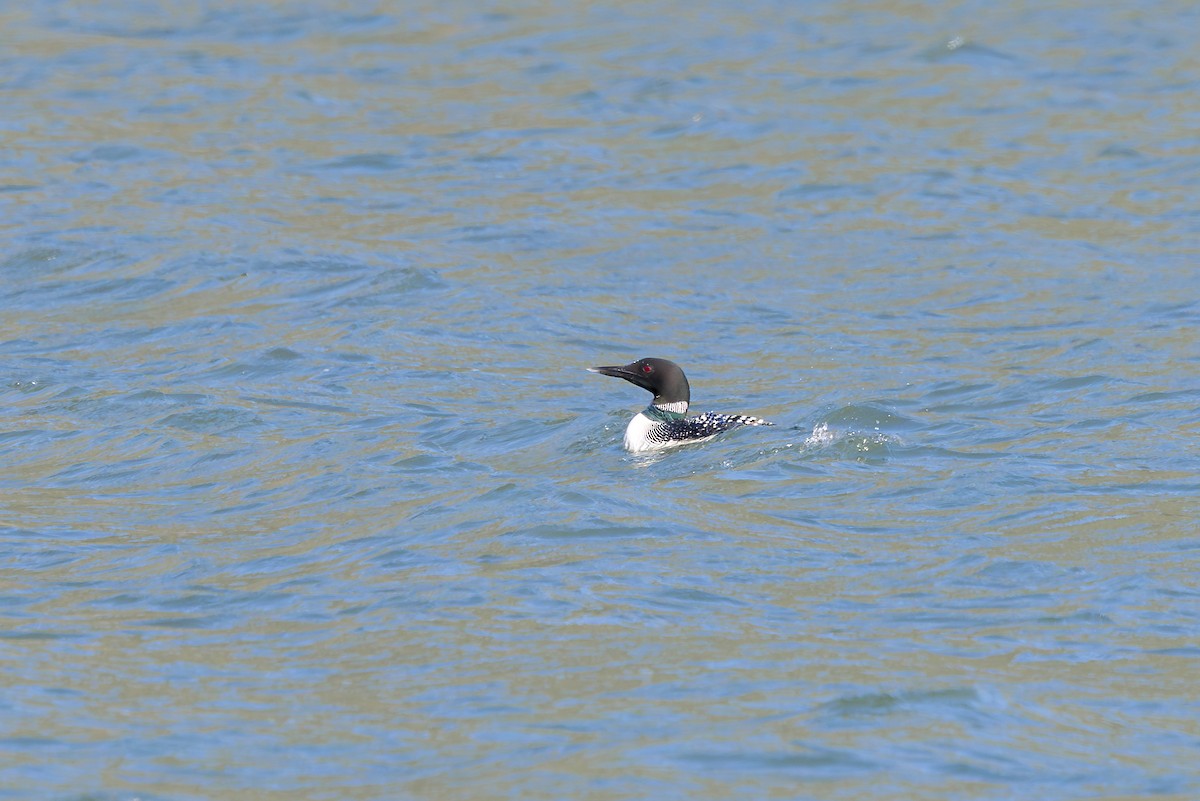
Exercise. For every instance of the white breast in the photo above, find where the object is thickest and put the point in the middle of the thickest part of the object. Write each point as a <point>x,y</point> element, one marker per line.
<point>636,432</point>
<point>637,436</point>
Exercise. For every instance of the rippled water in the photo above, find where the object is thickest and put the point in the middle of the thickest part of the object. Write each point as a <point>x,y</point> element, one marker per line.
<point>305,492</point>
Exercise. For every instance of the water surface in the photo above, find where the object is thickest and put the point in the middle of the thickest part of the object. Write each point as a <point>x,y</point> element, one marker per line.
<point>305,492</point>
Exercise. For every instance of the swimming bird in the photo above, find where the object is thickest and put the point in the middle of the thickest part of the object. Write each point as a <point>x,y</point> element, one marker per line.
<point>664,424</point>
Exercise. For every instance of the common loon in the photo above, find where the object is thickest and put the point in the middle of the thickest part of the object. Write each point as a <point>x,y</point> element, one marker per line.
<point>663,424</point>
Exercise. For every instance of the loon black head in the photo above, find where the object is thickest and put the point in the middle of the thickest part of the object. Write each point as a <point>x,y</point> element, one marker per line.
<point>664,378</point>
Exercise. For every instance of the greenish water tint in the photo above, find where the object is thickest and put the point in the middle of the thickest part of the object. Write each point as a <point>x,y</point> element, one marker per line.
<point>305,492</point>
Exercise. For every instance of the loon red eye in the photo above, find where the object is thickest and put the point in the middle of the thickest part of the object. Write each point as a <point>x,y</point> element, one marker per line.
<point>646,368</point>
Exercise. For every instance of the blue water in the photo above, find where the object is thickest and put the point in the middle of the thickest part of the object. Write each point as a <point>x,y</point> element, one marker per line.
<point>305,492</point>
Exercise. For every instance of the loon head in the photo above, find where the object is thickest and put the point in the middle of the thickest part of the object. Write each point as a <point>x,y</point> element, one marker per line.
<point>663,378</point>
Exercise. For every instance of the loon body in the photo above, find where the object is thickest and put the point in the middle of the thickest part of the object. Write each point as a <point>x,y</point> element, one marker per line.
<point>664,423</point>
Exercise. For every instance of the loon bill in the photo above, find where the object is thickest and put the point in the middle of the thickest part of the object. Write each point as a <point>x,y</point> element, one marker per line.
<point>664,423</point>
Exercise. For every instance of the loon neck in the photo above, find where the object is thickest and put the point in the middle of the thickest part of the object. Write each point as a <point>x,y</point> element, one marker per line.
<point>667,411</point>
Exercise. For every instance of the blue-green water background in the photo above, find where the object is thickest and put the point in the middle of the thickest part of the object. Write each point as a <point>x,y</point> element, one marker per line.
<point>305,492</point>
